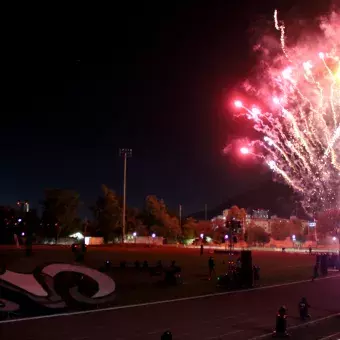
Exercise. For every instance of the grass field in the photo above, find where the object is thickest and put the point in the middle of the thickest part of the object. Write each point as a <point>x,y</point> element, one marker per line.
<point>134,286</point>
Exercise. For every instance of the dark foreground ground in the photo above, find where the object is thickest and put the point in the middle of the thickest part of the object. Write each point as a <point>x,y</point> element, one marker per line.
<point>236,316</point>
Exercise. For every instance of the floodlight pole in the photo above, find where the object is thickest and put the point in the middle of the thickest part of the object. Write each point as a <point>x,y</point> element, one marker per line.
<point>125,153</point>
<point>180,215</point>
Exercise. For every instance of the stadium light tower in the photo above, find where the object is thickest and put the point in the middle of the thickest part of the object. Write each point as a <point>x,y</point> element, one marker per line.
<point>125,153</point>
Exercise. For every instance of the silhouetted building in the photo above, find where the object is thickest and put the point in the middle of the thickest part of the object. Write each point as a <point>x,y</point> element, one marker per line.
<point>260,213</point>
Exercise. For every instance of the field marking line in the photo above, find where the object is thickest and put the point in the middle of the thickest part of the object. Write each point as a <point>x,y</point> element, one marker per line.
<point>146,304</point>
<point>304,324</point>
<point>222,335</point>
<point>157,331</point>
<point>330,336</point>
<point>188,333</point>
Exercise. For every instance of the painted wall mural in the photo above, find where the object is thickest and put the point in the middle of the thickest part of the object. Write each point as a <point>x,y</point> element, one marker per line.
<point>53,287</point>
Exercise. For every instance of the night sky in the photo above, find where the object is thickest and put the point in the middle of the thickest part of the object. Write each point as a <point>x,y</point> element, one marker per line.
<point>80,83</point>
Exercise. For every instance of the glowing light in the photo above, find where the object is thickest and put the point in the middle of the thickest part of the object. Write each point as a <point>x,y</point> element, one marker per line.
<point>22,234</point>
<point>300,118</point>
<point>307,65</point>
<point>268,140</point>
<point>153,235</point>
<point>272,164</point>
<point>286,73</point>
<point>226,237</point>
<point>244,150</point>
<point>201,235</point>
<point>238,103</point>
<point>255,112</point>
<point>337,74</point>
<point>276,100</point>
<point>134,234</point>
<point>77,235</point>
<point>334,238</point>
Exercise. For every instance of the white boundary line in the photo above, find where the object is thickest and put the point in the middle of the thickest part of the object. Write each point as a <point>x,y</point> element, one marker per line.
<point>330,336</point>
<point>197,297</point>
<point>305,324</point>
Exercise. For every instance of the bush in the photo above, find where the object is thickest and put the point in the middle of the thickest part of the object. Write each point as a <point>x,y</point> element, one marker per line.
<point>256,235</point>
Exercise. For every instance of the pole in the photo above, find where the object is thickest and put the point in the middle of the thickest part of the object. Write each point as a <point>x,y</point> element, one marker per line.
<point>124,153</point>
<point>180,215</point>
<point>124,198</point>
<point>205,211</point>
<point>85,227</point>
<point>315,234</point>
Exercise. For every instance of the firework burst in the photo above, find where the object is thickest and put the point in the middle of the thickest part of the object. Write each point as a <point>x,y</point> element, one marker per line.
<point>299,118</point>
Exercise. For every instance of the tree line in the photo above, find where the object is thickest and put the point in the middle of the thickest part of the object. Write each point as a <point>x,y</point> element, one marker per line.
<point>60,209</point>
<point>280,229</point>
<point>60,218</point>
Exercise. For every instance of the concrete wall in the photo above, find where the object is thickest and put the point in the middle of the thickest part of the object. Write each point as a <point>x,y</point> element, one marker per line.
<point>94,241</point>
<point>146,240</point>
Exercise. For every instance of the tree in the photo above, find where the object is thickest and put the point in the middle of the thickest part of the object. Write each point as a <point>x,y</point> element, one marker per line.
<point>107,212</point>
<point>295,226</point>
<point>189,229</point>
<point>32,222</point>
<point>256,235</point>
<point>158,220</point>
<point>237,214</point>
<point>280,229</point>
<point>133,221</point>
<point>328,223</point>
<point>8,224</point>
<point>300,238</point>
<point>60,210</point>
<point>205,227</point>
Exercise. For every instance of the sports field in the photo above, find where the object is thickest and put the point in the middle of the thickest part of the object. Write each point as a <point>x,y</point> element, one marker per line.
<point>137,286</point>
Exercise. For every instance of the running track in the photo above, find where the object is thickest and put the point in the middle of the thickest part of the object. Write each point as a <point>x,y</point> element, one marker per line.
<point>236,316</point>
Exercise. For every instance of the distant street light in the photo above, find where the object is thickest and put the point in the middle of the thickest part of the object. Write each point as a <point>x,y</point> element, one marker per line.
<point>334,238</point>
<point>134,234</point>
<point>201,236</point>
<point>153,235</point>
<point>125,153</point>
<point>294,237</point>
<point>22,234</point>
<point>225,241</point>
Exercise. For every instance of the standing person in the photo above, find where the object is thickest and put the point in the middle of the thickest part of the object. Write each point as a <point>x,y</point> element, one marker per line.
<point>201,251</point>
<point>29,241</point>
<point>238,263</point>
<point>304,309</point>
<point>16,240</point>
<point>166,336</point>
<point>211,264</point>
<point>315,271</point>
<point>310,250</point>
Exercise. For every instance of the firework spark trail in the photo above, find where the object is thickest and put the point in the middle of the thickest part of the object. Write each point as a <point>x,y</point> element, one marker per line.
<point>282,29</point>
<point>300,91</point>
